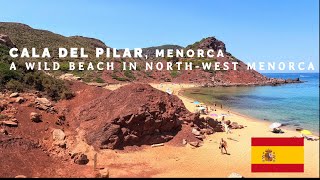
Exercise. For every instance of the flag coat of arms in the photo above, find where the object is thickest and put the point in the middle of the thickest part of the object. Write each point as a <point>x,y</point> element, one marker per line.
<point>277,154</point>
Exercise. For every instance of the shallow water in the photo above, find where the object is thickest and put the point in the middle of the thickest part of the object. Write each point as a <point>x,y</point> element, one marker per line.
<point>295,105</point>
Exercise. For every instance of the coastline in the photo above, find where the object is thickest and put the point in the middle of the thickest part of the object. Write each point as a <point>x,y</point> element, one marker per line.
<point>178,91</point>
<point>207,160</point>
<point>226,108</point>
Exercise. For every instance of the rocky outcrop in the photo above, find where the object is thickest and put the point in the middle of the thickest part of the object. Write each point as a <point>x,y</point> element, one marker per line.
<point>135,114</point>
<point>209,43</point>
<point>6,41</point>
<point>44,104</point>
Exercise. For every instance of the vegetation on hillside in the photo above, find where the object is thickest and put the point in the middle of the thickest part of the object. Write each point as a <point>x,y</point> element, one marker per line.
<point>24,36</point>
<point>21,80</point>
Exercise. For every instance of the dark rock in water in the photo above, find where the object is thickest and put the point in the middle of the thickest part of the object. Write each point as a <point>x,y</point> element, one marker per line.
<point>134,114</point>
<point>299,129</point>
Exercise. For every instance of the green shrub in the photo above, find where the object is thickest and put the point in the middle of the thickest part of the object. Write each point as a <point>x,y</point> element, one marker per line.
<point>129,74</point>
<point>22,80</point>
<point>99,80</point>
<point>174,74</point>
<point>3,117</point>
<point>149,74</point>
<point>14,85</point>
<point>64,66</point>
<point>118,78</point>
<point>67,94</point>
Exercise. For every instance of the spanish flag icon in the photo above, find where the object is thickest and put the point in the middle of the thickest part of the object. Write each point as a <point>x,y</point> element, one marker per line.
<point>277,154</point>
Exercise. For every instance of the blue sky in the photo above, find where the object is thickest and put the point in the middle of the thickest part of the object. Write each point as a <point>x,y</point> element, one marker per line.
<point>253,30</point>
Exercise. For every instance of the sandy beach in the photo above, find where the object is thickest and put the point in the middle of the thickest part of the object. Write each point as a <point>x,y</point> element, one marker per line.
<point>205,161</point>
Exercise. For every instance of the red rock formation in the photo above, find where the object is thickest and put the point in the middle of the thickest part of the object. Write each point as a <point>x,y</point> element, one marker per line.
<point>135,114</point>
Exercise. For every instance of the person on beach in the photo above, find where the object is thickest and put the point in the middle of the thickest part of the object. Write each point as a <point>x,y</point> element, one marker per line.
<point>223,146</point>
<point>226,127</point>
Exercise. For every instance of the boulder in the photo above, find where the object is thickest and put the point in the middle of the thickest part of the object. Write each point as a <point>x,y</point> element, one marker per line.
<point>201,137</point>
<point>9,123</point>
<point>80,158</point>
<point>35,117</point>
<point>13,95</point>
<point>194,144</point>
<point>212,123</point>
<point>184,142</point>
<point>195,132</point>
<point>58,135</point>
<point>219,128</point>
<point>207,131</point>
<point>19,100</point>
<point>43,104</point>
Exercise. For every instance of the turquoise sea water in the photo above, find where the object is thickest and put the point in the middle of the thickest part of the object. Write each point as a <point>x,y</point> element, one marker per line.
<point>294,105</point>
